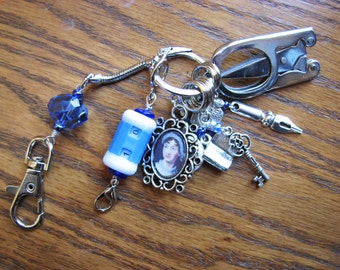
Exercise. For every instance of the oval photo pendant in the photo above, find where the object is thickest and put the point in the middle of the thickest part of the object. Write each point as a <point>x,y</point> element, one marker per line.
<point>173,154</point>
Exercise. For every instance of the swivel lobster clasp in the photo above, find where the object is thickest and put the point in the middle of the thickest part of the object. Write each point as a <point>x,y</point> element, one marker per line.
<point>105,200</point>
<point>31,185</point>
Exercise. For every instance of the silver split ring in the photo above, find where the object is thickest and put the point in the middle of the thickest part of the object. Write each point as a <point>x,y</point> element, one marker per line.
<point>207,89</point>
<point>159,69</point>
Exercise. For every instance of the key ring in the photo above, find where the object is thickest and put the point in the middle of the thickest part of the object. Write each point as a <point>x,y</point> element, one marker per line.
<point>284,63</point>
<point>162,64</point>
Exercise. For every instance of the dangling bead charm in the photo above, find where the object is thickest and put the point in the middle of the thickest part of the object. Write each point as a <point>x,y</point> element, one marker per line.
<point>68,112</point>
<point>126,149</point>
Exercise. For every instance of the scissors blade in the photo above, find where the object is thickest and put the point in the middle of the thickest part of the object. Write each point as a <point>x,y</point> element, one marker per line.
<point>256,67</point>
<point>289,59</point>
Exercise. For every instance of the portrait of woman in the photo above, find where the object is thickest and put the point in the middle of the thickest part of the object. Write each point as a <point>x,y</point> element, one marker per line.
<point>169,154</point>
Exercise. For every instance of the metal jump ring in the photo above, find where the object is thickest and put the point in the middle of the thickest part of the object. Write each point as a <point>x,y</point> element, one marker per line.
<point>208,70</point>
<point>157,80</point>
<point>207,89</point>
<point>179,112</point>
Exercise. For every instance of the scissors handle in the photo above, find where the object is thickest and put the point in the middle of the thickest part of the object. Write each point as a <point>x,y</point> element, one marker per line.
<point>282,52</point>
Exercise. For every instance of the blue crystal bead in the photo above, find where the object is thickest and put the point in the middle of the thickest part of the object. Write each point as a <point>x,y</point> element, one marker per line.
<point>67,111</point>
<point>225,105</point>
<point>201,132</point>
<point>217,128</point>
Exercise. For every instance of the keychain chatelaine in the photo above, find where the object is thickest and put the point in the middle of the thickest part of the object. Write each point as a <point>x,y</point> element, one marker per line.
<point>194,129</point>
<point>179,145</point>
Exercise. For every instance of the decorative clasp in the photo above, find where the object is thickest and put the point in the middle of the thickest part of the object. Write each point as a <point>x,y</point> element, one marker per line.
<point>32,184</point>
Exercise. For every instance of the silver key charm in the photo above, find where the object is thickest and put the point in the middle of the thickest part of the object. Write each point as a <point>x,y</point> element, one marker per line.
<point>239,145</point>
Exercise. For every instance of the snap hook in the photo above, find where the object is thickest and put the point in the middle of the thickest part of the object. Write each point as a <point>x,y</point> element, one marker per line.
<point>31,185</point>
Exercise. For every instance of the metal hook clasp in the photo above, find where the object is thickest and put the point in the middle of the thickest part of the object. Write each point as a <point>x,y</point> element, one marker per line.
<point>108,197</point>
<point>32,184</point>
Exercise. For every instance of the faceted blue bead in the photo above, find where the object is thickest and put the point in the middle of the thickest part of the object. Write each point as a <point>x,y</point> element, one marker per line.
<point>217,128</point>
<point>67,111</point>
<point>201,132</point>
<point>225,106</point>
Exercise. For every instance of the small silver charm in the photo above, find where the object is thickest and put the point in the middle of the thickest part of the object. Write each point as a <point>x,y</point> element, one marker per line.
<point>210,117</point>
<point>276,122</point>
<point>239,145</point>
<point>216,149</point>
<point>173,154</point>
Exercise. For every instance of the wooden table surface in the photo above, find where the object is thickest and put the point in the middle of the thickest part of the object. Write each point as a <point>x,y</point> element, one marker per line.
<point>221,220</point>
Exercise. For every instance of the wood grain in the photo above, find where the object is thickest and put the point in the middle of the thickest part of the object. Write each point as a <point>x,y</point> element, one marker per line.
<point>221,221</point>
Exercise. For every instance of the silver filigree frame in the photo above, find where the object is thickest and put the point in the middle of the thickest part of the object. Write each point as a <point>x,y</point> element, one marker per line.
<point>193,158</point>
